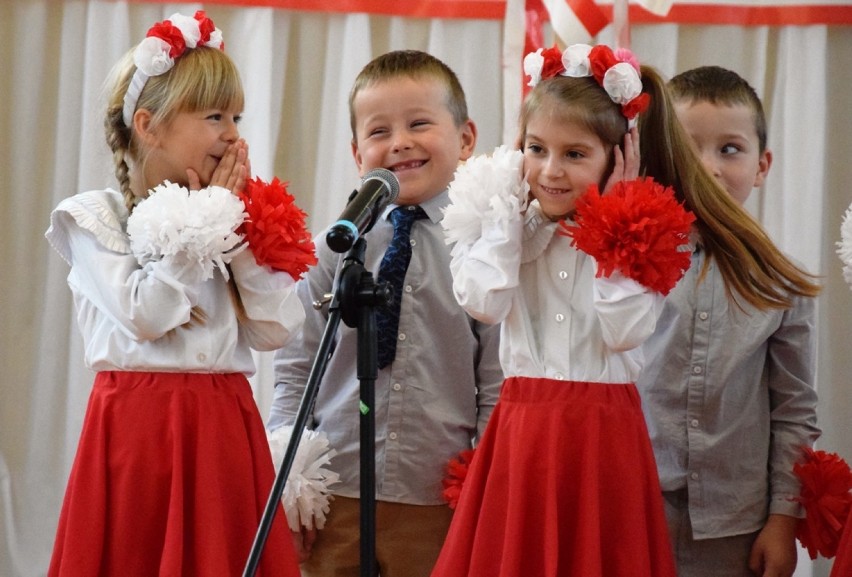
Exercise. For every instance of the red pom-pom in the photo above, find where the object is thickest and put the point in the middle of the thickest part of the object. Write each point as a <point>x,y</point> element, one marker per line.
<point>552,64</point>
<point>456,474</point>
<point>825,495</point>
<point>275,228</point>
<point>637,229</point>
<point>205,26</point>
<point>601,59</point>
<point>636,106</point>
<point>171,34</point>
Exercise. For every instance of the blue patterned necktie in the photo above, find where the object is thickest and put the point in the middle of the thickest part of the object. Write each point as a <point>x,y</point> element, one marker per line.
<point>392,269</point>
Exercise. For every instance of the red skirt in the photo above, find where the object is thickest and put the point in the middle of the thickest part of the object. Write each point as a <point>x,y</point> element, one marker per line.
<point>171,477</point>
<point>563,484</point>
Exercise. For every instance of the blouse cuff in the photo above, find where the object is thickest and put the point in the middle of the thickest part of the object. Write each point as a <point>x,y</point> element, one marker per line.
<point>786,506</point>
<point>617,287</point>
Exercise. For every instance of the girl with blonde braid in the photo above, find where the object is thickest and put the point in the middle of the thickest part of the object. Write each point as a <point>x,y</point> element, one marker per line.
<point>173,469</point>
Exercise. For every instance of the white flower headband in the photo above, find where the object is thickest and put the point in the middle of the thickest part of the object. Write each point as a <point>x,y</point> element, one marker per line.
<point>616,72</point>
<point>164,42</point>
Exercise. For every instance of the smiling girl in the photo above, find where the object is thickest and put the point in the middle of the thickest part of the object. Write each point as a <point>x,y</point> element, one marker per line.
<point>563,482</point>
<point>172,470</point>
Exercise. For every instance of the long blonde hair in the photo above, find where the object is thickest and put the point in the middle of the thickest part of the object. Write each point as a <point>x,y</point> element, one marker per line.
<point>752,266</point>
<point>201,79</point>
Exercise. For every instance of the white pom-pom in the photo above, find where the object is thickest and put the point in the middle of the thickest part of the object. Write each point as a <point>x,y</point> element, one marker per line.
<point>306,497</point>
<point>844,247</point>
<point>152,56</point>
<point>188,26</point>
<point>533,63</point>
<point>200,225</point>
<point>575,59</point>
<point>622,83</point>
<point>216,40</point>
<point>484,189</point>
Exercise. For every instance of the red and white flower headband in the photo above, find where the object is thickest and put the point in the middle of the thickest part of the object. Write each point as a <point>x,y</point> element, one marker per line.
<point>617,72</point>
<point>164,42</point>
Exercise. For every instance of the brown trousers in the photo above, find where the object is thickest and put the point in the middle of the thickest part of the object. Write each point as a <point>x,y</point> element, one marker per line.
<point>408,540</point>
<point>720,557</point>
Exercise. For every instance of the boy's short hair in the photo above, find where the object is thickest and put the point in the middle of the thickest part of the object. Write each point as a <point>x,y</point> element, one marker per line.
<point>718,85</point>
<point>411,64</point>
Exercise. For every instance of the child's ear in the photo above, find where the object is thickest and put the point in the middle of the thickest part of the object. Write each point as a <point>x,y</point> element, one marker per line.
<point>356,154</point>
<point>143,128</point>
<point>467,134</point>
<point>763,165</point>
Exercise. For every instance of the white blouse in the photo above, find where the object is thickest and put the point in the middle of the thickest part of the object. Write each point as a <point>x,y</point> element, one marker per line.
<point>136,318</point>
<point>559,321</point>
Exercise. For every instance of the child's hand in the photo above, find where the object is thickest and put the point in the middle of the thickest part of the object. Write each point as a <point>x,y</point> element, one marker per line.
<point>774,551</point>
<point>232,172</point>
<point>303,542</point>
<point>627,162</point>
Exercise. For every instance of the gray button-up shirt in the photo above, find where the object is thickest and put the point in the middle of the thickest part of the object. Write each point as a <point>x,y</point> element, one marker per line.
<point>431,402</point>
<point>729,399</point>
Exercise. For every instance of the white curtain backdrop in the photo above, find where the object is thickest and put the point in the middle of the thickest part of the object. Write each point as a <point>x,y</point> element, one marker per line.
<point>297,68</point>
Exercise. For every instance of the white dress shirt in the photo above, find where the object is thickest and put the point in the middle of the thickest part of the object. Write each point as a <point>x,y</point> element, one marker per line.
<point>136,318</point>
<point>559,320</point>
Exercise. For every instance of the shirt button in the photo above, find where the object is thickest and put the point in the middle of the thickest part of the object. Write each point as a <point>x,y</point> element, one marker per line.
<point>696,370</point>
<point>392,436</point>
<point>693,476</point>
<point>396,386</point>
<point>559,317</point>
<point>559,376</point>
<point>412,242</point>
<point>703,316</point>
<point>694,422</point>
<point>408,288</point>
<point>563,275</point>
<point>201,357</point>
<point>401,336</point>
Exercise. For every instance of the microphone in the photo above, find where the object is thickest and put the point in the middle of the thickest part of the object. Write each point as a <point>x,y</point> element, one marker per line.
<point>379,188</point>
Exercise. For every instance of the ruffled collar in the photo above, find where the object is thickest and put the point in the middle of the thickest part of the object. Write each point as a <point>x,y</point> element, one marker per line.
<point>538,232</point>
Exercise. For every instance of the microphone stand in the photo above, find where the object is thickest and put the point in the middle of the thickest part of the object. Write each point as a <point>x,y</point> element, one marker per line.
<point>354,299</point>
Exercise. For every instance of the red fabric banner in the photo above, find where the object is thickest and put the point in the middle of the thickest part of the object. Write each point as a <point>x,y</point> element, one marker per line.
<point>745,15</point>
<point>473,9</point>
<point>683,13</point>
<point>592,16</point>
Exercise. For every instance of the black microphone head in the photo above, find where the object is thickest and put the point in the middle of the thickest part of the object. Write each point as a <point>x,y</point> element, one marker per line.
<point>388,178</point>
<point>379,188</point>
<point>341,237</point>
